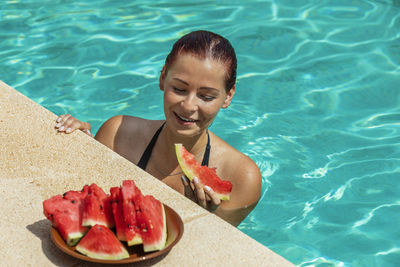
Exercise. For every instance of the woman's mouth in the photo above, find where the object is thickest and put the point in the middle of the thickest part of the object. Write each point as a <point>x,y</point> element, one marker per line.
<point>183,120</point>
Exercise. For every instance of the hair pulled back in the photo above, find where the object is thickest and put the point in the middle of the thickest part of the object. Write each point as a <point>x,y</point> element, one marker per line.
<point>205,44</point>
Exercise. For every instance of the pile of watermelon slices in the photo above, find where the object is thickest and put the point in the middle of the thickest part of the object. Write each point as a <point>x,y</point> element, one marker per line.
<point>85,219</point>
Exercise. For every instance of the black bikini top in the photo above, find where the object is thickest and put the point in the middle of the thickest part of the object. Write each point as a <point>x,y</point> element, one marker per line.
<point>147,153</point>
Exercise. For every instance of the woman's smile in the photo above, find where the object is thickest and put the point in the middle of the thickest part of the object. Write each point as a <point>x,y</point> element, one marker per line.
<point>194,92</point>
<point>184,120</point>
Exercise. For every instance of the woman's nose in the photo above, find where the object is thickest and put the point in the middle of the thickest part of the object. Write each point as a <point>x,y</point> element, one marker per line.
<point>189,103</point>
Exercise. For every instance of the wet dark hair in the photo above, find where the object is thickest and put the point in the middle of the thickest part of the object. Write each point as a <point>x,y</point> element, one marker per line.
<point>205,44</point>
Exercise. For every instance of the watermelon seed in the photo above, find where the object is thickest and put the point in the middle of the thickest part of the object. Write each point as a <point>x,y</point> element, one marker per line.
<point>101,207</point>
<point>73,201</point>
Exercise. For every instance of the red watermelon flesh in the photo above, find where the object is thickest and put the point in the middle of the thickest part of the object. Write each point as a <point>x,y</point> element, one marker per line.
<point>65,216</point>
<point>97,208</point>
<point>207,176</point>
<point>77,195</point>
<point>129,192</point>
<point>151,219</point>
<point>101,243</point>
<point>120,224</point>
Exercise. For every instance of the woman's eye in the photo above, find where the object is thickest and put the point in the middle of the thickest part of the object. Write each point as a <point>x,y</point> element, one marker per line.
<point>207,97</point>
<point>178,90</point>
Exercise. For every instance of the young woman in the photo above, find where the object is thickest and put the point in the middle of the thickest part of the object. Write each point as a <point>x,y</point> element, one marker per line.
<point>198,79</point>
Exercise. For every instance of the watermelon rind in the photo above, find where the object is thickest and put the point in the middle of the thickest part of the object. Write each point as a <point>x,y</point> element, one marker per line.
<point>161,244</point>
<point>101,256</point>
<point>186,169</point>
<point>98,241</point>
<point>89,222</point>
<point>151,220</point>
<point>120,225</point>
<point>129,192</point>
<point>137,240</point>
<point>74,238</point>
<point>65,216</point>
<point>97,208</point>
<point>190,172</point>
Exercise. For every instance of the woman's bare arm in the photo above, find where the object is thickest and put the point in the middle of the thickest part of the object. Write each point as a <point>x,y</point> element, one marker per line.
<point>246,192</point>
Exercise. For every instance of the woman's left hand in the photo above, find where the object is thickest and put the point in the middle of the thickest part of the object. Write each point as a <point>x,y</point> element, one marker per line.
<point>204,196</point>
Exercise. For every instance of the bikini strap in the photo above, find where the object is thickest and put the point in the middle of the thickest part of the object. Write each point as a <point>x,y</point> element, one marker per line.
<point>206,156</point>
<point>147,153</point>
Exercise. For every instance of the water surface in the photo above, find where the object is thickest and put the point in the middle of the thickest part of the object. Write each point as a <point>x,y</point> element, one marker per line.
<point>317,104</point>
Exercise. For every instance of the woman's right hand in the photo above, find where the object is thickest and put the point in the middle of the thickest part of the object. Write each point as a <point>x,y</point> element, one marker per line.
<point>203,196</point>
<point>66,123</point>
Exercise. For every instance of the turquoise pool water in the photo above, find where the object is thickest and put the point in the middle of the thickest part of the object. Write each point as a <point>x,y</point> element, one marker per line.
<point>317,104</point>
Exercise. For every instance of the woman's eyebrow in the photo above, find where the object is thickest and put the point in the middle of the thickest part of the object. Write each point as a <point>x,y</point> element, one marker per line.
<point>182,81</point>
<point>209,88</point>
<point>203,87</point>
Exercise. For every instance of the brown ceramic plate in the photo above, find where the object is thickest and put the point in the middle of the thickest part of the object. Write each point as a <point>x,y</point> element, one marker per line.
<point>174,234</point>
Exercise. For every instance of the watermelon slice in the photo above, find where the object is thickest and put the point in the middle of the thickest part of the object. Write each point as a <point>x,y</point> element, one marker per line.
<point>207,176</point>
<point>65,216</point>
<point>77,195</point>
<point>101,243</point>
<point>151,219</point>
<point>97,208</point>
<point>120,224</point>
<point>129,192</point>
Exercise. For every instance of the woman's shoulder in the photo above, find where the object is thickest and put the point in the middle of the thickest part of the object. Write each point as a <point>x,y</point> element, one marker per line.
<point>124,121</point>
<point>114,126</point>
<point>235,164</point>
<point>127,134</point>
<point>241,171</point>
<point>127,125</point>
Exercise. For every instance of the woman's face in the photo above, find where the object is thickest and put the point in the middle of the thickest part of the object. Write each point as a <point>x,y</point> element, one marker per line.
<point>194,92</point>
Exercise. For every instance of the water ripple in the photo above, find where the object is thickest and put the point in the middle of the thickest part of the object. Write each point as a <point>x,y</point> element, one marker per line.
<point>370,214</point>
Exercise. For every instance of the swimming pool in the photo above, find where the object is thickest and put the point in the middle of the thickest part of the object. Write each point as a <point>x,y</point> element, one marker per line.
<point>317,103</point>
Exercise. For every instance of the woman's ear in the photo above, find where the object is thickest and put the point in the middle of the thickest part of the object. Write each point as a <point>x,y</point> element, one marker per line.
<point>229,97</point>
<point>162,78</point>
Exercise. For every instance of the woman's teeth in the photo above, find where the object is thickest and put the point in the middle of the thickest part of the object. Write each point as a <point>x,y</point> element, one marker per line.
<point>185,119</point>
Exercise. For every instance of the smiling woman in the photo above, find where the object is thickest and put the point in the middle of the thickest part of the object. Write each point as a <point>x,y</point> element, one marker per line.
<point>198,79</point>
<point>194,92</point>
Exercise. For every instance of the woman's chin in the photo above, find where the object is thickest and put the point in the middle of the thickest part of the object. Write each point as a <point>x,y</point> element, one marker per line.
<point>187,133</point>
<point>187,130</point>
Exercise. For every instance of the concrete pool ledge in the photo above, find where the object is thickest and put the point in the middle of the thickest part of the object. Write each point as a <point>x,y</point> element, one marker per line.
<point>36,163</point>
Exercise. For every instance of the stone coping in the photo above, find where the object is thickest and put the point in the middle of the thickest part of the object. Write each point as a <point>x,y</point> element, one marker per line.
<point>36,163</point>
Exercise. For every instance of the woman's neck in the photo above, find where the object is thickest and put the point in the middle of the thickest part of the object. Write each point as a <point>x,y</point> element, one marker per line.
<point>194,144</point>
